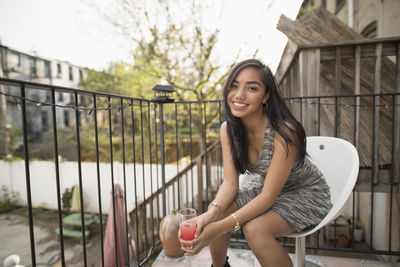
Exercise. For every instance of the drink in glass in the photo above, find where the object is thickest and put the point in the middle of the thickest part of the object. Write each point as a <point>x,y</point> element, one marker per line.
<point>187,226</point>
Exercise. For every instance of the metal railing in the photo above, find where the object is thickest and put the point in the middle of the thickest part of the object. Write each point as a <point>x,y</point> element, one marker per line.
<point>125,134</point>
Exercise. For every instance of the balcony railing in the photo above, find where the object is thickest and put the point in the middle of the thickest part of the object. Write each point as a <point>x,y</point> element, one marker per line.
<point>122,138</point>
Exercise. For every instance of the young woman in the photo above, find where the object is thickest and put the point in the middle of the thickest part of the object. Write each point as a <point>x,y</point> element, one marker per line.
<point>282,191</point>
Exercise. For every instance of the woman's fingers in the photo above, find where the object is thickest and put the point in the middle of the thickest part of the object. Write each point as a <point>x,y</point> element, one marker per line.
<point>199,227</point>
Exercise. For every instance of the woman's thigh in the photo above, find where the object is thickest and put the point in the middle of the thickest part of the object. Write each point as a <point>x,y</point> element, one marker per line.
<point>270,224</point>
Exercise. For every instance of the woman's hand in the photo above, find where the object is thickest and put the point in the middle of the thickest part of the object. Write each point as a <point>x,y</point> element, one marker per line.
<point>202,221</point>
<point>208,233</point>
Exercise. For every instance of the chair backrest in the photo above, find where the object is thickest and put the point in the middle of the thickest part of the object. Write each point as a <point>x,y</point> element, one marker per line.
<point>338,160</point>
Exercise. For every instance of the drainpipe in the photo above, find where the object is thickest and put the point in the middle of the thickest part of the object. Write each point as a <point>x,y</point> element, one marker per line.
<point>350,5</point>
<point>380,20</point>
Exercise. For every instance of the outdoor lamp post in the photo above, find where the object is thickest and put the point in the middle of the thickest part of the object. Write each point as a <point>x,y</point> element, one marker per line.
<point>163,94</point>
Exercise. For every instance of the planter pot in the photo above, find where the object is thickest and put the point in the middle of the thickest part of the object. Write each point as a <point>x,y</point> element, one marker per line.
<point>343,239</point>
<point>358,233</point>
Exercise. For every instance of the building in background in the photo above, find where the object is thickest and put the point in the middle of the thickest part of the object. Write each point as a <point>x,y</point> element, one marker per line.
<point>30,67</point>
<point>370,18</point>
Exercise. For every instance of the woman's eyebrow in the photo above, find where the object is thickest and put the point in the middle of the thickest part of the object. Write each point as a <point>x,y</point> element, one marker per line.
<point>253,82</point>
<point>248,82</point>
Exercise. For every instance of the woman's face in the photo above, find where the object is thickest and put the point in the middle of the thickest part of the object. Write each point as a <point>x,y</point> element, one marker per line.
<point>247,94</point>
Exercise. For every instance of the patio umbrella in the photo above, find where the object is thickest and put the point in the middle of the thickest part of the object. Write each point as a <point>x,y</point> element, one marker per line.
<point>123,238</point>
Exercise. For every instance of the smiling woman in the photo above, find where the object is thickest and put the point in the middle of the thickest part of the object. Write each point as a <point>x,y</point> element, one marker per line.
<point>262,140</point>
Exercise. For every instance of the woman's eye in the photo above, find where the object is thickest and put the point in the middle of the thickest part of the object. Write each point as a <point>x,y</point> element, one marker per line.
<point>252,89</point>
<point>233,86</point>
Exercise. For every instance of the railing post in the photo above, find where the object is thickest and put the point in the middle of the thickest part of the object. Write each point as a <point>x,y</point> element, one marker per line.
<point>164,199</point>
<point>309,86</point>
<point>396,127</point>
<point>161,96</point>
<point>199,164</point>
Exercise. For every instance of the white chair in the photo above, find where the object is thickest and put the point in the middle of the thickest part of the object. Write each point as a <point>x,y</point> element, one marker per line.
<point>338,161</point>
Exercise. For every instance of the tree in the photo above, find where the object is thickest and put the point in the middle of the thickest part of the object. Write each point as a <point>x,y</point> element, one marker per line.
<point>174,44</point>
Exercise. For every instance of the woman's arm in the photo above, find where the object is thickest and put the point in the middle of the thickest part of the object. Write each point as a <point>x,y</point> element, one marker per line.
<point>230,185</point>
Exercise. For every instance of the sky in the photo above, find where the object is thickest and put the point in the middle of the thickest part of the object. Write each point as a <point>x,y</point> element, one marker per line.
<point>72,31</point>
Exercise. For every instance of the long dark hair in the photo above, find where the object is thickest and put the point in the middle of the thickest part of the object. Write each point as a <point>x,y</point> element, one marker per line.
<point>280,117</point>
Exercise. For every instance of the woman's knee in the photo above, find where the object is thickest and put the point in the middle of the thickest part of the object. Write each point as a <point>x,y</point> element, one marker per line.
<point>257,234</point>
<point>264,229</point>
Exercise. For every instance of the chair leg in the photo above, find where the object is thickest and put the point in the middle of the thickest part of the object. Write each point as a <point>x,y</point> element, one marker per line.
<point>301,253</point>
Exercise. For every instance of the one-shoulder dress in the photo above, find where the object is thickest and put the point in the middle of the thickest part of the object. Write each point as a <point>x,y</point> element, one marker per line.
<point>305,197</point>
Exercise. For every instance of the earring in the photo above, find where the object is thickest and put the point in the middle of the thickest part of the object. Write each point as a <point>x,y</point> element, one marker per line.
<point>265,106</point>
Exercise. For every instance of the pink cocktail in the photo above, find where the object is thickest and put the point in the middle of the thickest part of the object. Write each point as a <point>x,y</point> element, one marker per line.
<point>188,229</point>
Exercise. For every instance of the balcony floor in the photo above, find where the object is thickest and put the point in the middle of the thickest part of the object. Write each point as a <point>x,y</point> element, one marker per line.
<point>245,258</point>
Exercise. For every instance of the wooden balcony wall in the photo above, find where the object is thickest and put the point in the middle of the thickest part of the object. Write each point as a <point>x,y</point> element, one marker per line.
<point>367,76</point>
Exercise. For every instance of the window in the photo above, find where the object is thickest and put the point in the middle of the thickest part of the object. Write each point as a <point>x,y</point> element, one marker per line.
<point>66,118</point>
<point>45,119</point>
<point>80,75</point>
<point>32,66</point>
<point>82,100</point>
<point>48,97</point>
<point>71,75</point>
<point>14,62</point>
<point>59,70</point>
<point>47,69</point>
<point>60,97</point>
<point>370,31</point>
<point>35,96</point>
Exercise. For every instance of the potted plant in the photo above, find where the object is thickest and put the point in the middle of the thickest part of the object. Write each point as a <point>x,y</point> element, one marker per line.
<point>357,229</point>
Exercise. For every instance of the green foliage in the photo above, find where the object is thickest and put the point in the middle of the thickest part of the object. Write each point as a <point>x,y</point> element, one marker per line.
<point>357,223</point>
<point>8,202</point>
<point>43,213</point>
<point>122,79</point>
<point>100,81</point>
<point>66,198</point>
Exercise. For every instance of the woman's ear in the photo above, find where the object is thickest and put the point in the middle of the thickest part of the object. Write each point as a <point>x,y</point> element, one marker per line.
<point>266,97</point>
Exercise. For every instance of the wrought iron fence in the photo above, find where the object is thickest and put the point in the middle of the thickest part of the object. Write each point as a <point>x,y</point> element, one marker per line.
<point>141,146</point>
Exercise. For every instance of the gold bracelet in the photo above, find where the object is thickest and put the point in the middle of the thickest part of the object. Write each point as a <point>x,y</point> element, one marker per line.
<point>215,203</point>
<point>237,224</point>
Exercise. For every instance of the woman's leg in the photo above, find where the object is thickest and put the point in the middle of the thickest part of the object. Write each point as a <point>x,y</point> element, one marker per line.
<point>219,246</point>
<point>261,234</point>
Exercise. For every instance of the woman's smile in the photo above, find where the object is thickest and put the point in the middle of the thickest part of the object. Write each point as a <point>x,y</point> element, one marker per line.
<point>239,105</point>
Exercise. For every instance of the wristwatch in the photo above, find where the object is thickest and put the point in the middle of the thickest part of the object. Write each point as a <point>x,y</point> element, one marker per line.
<point>237,224</point>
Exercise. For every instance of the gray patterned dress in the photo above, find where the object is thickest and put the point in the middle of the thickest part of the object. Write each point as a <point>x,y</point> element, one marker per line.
<point>305,198</point>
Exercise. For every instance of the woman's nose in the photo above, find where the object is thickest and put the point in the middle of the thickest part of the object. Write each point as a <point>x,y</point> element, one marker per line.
<point>240,93</point>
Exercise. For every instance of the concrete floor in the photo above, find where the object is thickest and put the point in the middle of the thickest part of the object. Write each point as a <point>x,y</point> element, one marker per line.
<point>14,236</point>
<point>245,258</point>
<point>14,239</point>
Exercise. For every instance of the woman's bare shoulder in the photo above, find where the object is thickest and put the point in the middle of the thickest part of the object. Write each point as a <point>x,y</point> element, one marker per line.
<point>223,132</point>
